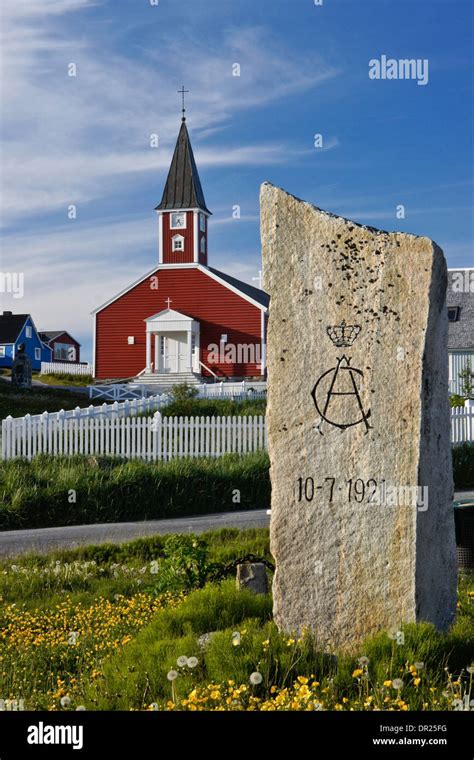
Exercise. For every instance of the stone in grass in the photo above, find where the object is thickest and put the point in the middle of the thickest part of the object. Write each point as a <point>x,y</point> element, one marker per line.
<point>252,576</point>
<point>362,528</point>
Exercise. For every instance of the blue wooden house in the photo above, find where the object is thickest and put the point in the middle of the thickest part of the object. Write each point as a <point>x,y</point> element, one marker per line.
<point>20,328</point>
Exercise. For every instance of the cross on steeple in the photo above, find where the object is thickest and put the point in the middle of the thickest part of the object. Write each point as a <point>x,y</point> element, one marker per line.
<point>168,301</point>
<point>182,92</point>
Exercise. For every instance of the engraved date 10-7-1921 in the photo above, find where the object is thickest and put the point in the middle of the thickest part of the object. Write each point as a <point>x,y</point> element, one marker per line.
<point>354,489</point>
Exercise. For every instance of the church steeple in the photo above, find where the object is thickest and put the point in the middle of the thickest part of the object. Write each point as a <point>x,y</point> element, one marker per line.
<point>183,187</point>
<point>183,212</point>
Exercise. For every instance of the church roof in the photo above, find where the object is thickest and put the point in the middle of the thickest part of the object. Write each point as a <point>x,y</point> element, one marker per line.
<point>258,295</point>
<point>183,186</point>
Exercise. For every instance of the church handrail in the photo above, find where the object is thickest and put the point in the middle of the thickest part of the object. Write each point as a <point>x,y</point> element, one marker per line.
<point>201,364</point>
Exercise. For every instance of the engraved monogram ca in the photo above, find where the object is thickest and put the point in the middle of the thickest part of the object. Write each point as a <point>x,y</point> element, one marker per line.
<point>343,382</point>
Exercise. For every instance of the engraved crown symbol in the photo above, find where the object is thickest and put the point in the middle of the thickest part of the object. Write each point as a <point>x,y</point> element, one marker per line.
<point>343,335</point>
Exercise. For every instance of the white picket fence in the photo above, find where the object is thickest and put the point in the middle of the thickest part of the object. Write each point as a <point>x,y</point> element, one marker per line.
<point>64,368</point>
<point>148,438</point>
<point>118,391</point>
<point>118,430</point>
<point>18,433</point>
<point>462,424</point>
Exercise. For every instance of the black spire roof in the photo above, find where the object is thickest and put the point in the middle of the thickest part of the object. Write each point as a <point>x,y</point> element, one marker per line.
<point>183,186</point>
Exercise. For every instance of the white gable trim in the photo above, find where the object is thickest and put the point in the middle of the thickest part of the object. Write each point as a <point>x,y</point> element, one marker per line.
<point>178,267</point>
<point>160,238</point>
<point>195,236</point>
<point>170,320</point>
<point>168,314</point>
<point>94,340</point>
<point>126,290</point>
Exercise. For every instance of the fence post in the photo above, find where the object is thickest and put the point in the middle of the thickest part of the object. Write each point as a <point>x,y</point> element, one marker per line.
<point>7,429</point>
<point>469,407</point>
<point>43,433</point>
<point>156,437</point>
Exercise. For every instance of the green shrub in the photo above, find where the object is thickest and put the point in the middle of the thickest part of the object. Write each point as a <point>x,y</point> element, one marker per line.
<point>463,465</point>
<point>183,392</point>
<point>214,407</point>
<point>456,400</point>
<point>36,494</point>
<point>185,565</point>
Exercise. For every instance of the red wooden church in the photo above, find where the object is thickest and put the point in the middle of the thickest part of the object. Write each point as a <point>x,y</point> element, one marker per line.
<point>183,320</point>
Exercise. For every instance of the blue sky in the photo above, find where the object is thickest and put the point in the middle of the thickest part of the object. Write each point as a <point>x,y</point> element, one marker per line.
<point>85,140</point>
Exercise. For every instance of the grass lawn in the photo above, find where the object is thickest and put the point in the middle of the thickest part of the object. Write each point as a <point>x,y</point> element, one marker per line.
<point>56,378</point>
<point>118,627</point>
<point>51,491</point>
<point>18,402</point>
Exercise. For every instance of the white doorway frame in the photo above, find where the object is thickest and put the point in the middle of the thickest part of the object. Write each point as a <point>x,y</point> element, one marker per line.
<point>164,324</point>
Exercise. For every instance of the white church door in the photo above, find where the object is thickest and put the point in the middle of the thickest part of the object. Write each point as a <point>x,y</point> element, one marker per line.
<point>175,352</point>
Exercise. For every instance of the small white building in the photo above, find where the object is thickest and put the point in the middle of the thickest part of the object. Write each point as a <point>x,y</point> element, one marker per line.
<point>460,303</point>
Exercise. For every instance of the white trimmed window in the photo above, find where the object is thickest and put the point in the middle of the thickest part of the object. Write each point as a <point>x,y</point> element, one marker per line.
<point>178,243</point>
<point>28,332</point>
<point>178,221</point>
<point>202,222</point>
<point>37,353</point>
<point>162,345</point>
<point>203,245</point>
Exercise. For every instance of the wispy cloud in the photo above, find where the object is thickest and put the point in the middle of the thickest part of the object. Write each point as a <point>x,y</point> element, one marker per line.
<point>84,139</point>
<point>67,138</point>
<point>68,272</point>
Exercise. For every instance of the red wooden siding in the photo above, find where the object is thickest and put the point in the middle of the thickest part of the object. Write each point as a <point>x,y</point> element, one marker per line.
<point>178,257</point>
<point>192,292</point>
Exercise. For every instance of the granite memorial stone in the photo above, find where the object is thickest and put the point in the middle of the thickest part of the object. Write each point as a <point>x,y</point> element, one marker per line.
<point>362,527</point>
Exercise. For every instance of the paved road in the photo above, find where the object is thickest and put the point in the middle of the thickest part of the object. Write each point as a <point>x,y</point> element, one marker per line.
<point>43,540</point>
<point>14,542</point>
